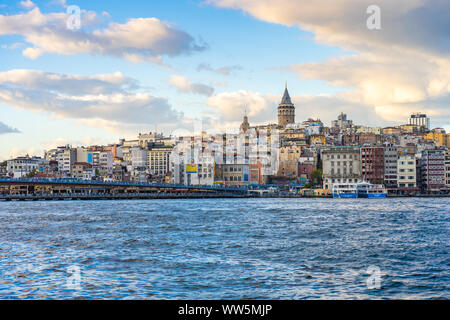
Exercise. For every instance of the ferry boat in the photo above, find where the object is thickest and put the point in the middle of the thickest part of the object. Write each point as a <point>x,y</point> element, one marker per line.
<point>358,190</point>
<point>368,190</point>
<point>344,190</point>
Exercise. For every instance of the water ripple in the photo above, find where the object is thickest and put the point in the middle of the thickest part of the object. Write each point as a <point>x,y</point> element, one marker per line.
<point>225,249</point>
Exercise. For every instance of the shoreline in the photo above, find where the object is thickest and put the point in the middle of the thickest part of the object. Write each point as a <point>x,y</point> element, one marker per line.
<point>9,198</point>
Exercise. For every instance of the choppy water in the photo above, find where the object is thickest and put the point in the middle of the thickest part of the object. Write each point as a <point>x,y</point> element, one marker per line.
<point>225,249</point>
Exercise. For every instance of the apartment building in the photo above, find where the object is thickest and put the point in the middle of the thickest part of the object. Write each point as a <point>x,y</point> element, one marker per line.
<point>159,159</point>
<point>406,172</point>
<point>447,169</point>
<point>433,169</point>
<point>341,164</point>
<point>22,166</point>
<point>372,164</point>
<point>390,165</point>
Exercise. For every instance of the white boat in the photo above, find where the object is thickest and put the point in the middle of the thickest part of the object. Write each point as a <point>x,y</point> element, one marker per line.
<point>358,190</point>
<point>344,190</point>
<point>368,190</point>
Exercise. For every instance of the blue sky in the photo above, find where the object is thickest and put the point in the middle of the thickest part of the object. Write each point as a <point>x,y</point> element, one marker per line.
<point>261,50</point>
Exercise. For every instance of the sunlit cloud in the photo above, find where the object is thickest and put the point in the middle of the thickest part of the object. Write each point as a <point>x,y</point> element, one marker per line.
<point>111,97</point>
<point>184,85</point>
<point>137,40</point>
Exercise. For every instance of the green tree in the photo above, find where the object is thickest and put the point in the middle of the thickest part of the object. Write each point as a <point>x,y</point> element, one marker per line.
<point>31,174</point>
<point>316,176</point>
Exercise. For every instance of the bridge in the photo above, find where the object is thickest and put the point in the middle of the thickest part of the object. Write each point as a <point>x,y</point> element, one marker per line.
<point>62,188</point>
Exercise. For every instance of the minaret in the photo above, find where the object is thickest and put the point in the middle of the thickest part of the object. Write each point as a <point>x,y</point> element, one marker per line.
<point>245,125</point>
<point>286,110</point>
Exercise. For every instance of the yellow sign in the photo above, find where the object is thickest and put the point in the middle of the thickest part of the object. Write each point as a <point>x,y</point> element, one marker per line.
<point>191,168</point>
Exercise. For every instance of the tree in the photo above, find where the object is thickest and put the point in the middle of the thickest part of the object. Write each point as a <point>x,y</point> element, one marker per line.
<point>31,174</point>
<point>316,176</point>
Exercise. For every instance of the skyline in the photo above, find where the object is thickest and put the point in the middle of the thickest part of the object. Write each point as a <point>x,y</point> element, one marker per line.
<point>121,81</point>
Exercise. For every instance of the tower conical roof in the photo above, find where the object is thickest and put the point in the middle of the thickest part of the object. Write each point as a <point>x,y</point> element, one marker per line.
<point>286,98</point>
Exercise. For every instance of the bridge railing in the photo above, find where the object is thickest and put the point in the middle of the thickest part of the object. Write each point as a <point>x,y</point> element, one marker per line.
<point>71,181</point>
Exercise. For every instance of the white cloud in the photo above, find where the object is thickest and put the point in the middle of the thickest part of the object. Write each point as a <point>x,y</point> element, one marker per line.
<point>184,85</point>
<point>84,141</point>
<point>20,152</point>
<point>231,106</point>
<point>111,97</point>
<point>137,40</point>
<point>28,4</point>
<point>223,70</point>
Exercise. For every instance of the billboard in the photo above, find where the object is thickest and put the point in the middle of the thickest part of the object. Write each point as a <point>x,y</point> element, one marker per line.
<point>191,168</point>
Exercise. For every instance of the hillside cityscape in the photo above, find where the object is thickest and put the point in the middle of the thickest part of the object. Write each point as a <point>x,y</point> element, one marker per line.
<point>407,159</point>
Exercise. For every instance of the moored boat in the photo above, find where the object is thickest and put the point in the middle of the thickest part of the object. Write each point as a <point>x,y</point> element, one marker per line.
<point>368,190</point>
<point>358,190</point>
<point>344,190</point>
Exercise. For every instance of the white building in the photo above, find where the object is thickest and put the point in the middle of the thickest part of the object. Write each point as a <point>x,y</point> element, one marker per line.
<point>66,157</point>
<point>419,119</point>
<point>158,159</point>
<point>139,158</point>
<point>191,164</point>
<point>341,165</point>
<point>406,171</point>
<point>21,166</point>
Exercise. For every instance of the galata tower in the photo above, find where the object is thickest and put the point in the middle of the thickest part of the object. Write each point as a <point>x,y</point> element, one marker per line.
<point>286,110</point>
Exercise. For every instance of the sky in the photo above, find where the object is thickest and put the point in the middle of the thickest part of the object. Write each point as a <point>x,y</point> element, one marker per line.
<point>133,67</point>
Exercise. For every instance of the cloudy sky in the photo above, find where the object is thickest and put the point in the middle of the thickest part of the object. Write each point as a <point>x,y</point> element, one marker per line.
<point>131,67</point>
